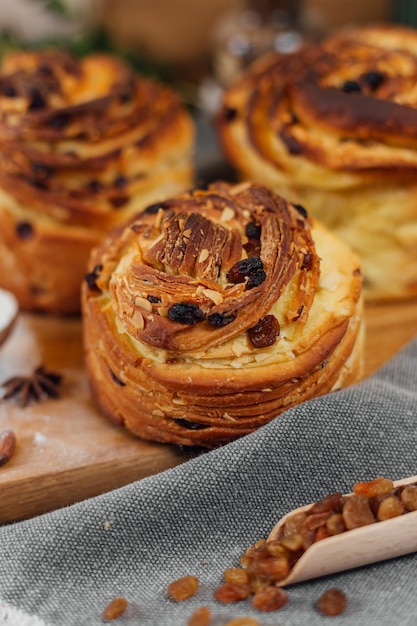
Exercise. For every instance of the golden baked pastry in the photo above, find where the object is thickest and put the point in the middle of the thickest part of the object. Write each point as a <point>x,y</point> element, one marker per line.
<point>334,128</point>
<point>212,312</point>
<point>83,145</point>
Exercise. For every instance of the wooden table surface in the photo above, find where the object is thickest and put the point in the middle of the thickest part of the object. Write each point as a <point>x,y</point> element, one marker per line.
<point>67,451</point>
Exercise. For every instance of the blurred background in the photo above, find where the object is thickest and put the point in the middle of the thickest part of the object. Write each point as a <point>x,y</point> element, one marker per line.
<point>197,46</point>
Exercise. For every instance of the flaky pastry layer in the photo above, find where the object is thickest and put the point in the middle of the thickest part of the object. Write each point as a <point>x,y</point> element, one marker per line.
<point>212,312</point>
<point>334,127</point>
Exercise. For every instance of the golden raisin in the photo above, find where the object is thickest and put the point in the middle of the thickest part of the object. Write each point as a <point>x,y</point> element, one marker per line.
<point>293,542</point>
<point>294,523</point>
<point>328,503</point>
<point>115,608</point>
<point>272,569</point>
<point>183,588</point>
<point>236,575</point>
<point>332,602</point>
<point>248,554</point>
<point>409,497</point>
<point>335,524</point>
<point>322,533</point>
<point>232,592</point>
<point>200,617</point>
<point>276,547</point>
<point>270,599</point>
<point>390,507</point>
<point>315,520</point>
<point>357,512</point>
<point>243,621</point>
<point>374,487</point>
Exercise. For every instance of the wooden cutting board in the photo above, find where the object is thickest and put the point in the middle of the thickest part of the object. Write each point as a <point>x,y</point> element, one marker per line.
<point>67,451</point>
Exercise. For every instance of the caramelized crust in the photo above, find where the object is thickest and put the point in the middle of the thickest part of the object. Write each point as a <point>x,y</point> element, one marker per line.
<point>84,144</point>
<point>210,313</point>
<point>334,127</point>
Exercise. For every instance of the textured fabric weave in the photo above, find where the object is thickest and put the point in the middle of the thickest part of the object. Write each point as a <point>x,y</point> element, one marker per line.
<point>199,517</point>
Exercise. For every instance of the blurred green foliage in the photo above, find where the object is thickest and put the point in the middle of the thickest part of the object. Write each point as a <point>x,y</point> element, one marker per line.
<point>89,38</point>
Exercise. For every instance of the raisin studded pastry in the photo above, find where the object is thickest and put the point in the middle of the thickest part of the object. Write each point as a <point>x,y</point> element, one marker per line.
<point>334,127</point>
<point>210,313</point>
<point>83,145</point>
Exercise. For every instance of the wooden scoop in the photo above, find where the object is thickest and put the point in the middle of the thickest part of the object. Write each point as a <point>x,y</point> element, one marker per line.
<point>353,548</point>
<point>9,310</point>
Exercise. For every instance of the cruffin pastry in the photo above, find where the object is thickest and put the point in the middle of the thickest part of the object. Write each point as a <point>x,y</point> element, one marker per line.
<point>213,311</point>
<point>333,126</point>
<point>84,143</point>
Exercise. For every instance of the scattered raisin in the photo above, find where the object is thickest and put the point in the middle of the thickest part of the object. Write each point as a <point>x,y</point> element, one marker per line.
<point>186,313</point>
<point>265,332</point>
<point>119,201</point>
<point>95,186</point>
<point>390,507</point>
<point>37,101</point>
<point>220,319</point>
<point>152,209</point>
<point>24,230</point>
<point>373,79</point>
<point>293,146</point>
<point>375,487</point>
<point>183,588</point>
<point>293,543</point>
<point>256,279</point>
<point>315,520</point>
<point>190,425</point>
<point>232,592</point>
<point>243,621</point>
<point>9,91</point>
<point>41,170</point>
<point>236,575</point>
<point>332,602</point>
<point>200,617</point>
<point>201,185</point>
<point>115,609</point>
<point>59,121</point>
<point>253,230</point>
<point>270,599</point>
<point>328,503</point>
<point>244,269</point>
<point>125,97</point>
<point>272,569</point>
<point>357,512</point>
<point>301,210</point>
<point>120,182</point>
<point>153,299</point>
<point>116,379</point>
<point>335,524</point>
<point>409,497</point>
<point>307,263</point>
<point>351,86</point>
<point>229,114</point>
<point>91,278</point>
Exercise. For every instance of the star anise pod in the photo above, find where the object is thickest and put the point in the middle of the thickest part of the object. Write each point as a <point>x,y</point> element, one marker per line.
<point>37,386</point>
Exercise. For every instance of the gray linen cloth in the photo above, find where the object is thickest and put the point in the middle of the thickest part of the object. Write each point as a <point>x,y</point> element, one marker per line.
<point>199,517</point>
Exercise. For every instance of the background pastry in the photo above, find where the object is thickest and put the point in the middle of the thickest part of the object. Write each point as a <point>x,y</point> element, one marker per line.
<point>334,127</point>
<point>212,312</point>
<point>83,145</point>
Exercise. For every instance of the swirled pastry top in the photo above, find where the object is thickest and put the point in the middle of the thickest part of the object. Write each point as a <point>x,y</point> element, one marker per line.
<point>210,313</point>
<point>198,270</point>
<point>78,136</point>
<point>345,108</point>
